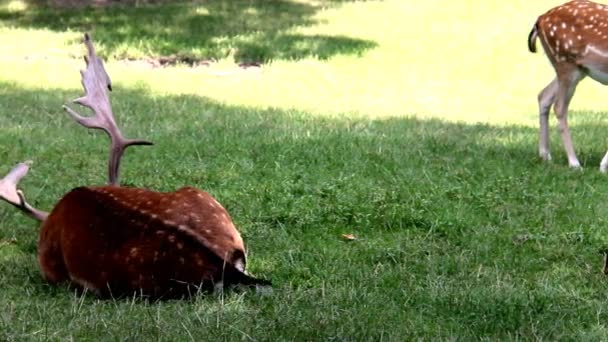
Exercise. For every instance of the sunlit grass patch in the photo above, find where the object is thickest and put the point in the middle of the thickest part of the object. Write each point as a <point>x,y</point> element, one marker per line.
<point>14,6</point>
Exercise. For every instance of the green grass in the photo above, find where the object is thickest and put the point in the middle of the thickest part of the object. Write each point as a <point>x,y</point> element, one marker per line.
<point>422,144</point>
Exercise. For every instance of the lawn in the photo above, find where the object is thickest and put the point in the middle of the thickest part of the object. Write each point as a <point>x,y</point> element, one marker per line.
<point>411,126</point>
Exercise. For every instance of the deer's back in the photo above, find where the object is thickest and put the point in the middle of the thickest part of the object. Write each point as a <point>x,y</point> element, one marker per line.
<point>113,240</point>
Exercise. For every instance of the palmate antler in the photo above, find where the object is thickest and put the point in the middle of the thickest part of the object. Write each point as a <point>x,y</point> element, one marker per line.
<point>96,84</point>
<point>10,193</point>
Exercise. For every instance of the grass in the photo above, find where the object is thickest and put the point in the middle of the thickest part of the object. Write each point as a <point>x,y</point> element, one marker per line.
<point>462,233</point>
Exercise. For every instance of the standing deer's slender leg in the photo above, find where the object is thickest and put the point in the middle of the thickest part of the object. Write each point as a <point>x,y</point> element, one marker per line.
<point>568,76</point>
<point>604,164</point>
<point>546,98</point>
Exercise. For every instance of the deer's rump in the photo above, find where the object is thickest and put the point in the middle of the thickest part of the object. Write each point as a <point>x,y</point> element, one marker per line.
<point>111,243</point>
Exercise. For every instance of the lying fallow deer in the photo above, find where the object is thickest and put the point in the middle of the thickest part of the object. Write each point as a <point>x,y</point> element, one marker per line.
<point>114,240</point>
<point>575,38</point>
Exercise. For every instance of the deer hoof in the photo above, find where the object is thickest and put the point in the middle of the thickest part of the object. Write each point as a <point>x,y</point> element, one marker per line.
<point>545,155</point>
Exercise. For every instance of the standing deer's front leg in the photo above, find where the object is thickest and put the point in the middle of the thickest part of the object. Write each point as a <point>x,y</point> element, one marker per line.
<point>546,98</point>
<point>568,77</point>
<point>604,164</point>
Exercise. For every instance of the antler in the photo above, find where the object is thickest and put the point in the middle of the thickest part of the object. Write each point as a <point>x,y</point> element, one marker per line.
<point>96,84</point>
<point>10,193</point>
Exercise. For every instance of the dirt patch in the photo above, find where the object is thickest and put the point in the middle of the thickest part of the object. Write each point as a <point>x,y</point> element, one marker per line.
<point>162,61</point>
<point>97,3</point>
<point>166,61</point>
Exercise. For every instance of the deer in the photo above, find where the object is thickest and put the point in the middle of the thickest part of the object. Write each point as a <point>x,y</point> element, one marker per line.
<point>113,240</point>
<point>574,37</point>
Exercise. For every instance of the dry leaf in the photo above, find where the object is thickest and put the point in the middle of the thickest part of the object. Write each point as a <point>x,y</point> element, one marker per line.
<point>349,237</point>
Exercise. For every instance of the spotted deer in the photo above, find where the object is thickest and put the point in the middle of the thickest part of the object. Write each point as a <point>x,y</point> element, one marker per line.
<point>113,240</point>
<point>575,38</point>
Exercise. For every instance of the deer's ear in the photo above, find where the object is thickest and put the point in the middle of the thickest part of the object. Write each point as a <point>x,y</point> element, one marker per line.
<point>96,83</point>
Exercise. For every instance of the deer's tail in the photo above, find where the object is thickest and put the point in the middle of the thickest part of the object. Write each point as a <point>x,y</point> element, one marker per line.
<point>532,38</point>
<point>235,276</point>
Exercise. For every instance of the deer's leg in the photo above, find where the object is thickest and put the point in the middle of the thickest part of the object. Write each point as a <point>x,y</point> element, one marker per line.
<point>568,77</point>
<point>604,164</point>
<point>596,69</point>
<point>546,98</point>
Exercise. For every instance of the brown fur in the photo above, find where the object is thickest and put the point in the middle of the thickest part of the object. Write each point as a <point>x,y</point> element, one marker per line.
<point>118,240</point>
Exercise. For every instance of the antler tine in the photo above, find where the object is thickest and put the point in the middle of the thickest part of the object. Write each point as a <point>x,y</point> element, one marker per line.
<point>10,193</point>
<point>96,84</point>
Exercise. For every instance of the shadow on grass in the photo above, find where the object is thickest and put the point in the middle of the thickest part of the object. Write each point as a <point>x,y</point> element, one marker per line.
<point>254,31</point>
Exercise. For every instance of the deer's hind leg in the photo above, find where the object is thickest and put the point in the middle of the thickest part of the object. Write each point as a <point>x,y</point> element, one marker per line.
<point>546,99</point>
<point>568,77</point>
